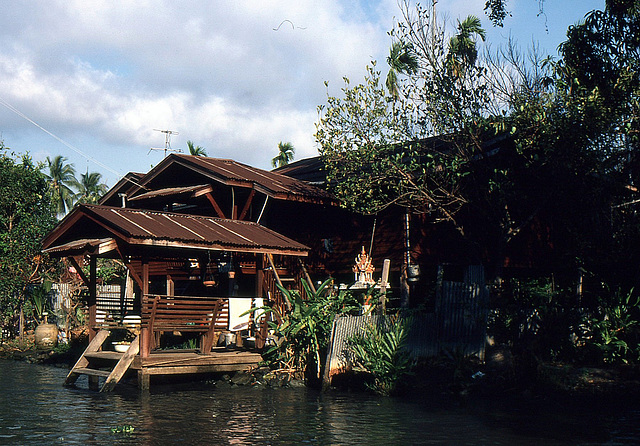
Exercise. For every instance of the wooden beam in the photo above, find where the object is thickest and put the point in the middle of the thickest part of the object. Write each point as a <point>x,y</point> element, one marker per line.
<point>107,246</point>
<point>81,273</point>
<point>129,266</point>
<point>214,203</point>
<point>275,274</point>
<point>247,205</point>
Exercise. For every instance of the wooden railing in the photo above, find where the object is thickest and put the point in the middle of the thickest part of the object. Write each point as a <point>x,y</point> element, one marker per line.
<point>202,315</point>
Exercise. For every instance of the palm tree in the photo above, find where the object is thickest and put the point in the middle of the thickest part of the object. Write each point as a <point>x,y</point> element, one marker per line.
<point>463,52</point>
<point>90,189</point>
<point>401,59</point>
<point>61,178</point>
<point>285,154</point>
<point>196,150</point>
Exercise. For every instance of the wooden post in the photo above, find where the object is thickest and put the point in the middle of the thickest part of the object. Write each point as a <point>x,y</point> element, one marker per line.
<point>384,283</point>
<point>143,379</point>
<point>404,284</point>
<point>93,296</point>
<point>145,336</point>
<point>260,326</point>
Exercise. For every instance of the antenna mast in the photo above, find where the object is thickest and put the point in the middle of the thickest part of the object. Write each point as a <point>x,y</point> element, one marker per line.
<point>167,142</point>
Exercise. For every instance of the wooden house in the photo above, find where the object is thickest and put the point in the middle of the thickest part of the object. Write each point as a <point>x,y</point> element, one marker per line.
<point>194,234</point>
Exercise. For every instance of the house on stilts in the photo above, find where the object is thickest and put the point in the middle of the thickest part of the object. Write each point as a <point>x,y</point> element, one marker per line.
<point>191,233</point>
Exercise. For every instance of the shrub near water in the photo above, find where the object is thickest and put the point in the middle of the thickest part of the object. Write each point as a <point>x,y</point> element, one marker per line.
<point>303,333</point>
<point>380,351</point>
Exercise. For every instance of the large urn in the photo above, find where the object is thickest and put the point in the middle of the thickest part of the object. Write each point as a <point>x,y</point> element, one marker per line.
<point>46,335</point>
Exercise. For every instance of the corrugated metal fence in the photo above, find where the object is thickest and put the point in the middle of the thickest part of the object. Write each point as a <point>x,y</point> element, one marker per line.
<point>110,299</point>
<point>458,325</point>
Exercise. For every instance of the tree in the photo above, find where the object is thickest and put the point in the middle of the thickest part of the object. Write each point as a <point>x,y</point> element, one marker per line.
<point>62,180</point>
<point>196,150</point>
<point>401,60</point>
<point>431,156</point>
<point>90,189</point>
<point>26,215</point>
<point>599,82</point>
<point>463,51</point>
<point>286,151</point>
<point>378,154</point>
<point>496,10</point>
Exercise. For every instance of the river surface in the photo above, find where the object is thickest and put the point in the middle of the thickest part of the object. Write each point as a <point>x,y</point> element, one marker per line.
<point>36,410</point>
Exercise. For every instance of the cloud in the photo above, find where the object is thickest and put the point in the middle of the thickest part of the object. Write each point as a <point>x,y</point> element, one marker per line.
<point>104,74</point>
<point>217,72</point>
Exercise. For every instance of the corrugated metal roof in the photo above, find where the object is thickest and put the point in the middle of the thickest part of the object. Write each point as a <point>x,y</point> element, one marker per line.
<point>81,245</point>
<point>233,172</point>
<point>310,170</point>
<point>142,227</point>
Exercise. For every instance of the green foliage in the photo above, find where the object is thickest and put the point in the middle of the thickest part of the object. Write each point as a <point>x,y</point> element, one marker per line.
<point>537,316</point>
<point>26,215</point>
<point>90,189</point>
<point>196,150</point>
<point>303,332</point>
<point>286,152</point>
<point>380,351</point>
<point>566,133</point>
<point>615,331</point>
<point>40,299</point>
<point>124,429</point>
<point>62,180</point>
<point>496,10</point>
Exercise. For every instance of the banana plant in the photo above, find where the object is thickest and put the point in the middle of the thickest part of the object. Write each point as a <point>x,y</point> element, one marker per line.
<point>303,333</point>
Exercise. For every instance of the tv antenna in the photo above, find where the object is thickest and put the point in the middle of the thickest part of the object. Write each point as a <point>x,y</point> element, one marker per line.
<point>167,142</point>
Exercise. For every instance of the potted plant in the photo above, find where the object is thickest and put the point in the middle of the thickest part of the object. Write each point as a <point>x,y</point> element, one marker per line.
<point>46,334</point>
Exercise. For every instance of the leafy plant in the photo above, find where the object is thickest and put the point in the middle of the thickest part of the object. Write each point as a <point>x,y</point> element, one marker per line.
<point>40,298</point>
<point>125,429</point>
<point>303,333</point>
<point>616,330</point>
<point>380,351</point>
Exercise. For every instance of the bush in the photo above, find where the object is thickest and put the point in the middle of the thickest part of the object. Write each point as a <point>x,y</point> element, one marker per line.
<point>303,333</point>
<point>613,333</point>
<point>380,352</point>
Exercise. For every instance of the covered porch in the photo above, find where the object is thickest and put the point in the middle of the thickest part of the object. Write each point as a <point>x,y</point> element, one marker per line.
<point>193,277</point>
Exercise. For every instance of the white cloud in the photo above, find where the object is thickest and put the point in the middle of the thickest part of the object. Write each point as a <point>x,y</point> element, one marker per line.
<point>104,74</point>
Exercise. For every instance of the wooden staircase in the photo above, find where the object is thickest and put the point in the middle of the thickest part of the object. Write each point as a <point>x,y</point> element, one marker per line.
<point>106,364</point>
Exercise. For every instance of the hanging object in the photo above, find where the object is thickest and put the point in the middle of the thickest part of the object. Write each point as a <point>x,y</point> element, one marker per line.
<point>208,278</point>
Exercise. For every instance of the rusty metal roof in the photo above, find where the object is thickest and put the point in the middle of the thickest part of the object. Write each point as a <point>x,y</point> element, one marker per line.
<point>233,173</point>
<point>155,228</point>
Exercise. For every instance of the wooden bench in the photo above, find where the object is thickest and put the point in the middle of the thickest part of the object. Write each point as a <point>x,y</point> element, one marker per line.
<point>183,314</point>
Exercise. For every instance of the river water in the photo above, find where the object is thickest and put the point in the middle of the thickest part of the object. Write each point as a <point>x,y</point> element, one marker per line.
<point>36,410</point>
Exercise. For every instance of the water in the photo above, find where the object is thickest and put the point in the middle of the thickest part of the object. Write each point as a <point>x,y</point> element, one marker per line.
<point>36,410</point>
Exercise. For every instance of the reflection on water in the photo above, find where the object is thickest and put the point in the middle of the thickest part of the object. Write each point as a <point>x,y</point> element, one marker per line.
<point>35,409</point>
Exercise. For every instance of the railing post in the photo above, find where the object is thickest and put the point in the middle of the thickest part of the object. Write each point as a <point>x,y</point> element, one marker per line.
<point>145,335</point>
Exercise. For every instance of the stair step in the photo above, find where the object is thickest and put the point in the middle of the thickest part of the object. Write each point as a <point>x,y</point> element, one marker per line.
<point>287,279</point>
<point>92,372</point>
<point>113,356</point>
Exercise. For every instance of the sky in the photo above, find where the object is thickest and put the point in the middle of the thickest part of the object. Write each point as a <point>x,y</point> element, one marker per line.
<point>97,81</point>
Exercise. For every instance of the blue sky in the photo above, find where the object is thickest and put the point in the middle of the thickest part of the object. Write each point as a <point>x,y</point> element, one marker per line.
<point>236,77</point>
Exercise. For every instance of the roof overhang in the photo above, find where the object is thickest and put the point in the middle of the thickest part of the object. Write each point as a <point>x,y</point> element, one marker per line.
<point>99,230</point>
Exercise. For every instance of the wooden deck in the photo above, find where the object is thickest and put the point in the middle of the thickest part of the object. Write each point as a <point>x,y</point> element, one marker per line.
<point>173,362</point>
<point>100,364</point>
